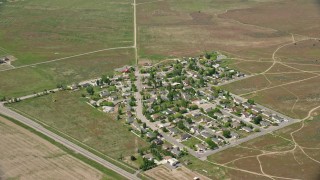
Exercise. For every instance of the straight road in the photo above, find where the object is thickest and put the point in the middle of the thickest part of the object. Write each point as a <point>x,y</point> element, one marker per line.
<point>8,112</point>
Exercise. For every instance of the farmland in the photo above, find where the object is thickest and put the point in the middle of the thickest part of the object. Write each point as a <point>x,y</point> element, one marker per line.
<point>69,114</point>
<point>31,157</point>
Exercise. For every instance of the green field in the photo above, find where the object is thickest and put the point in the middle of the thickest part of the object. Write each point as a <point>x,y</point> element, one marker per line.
<point>36,30</point>
<point>27,80</point>
<point>69,113</point>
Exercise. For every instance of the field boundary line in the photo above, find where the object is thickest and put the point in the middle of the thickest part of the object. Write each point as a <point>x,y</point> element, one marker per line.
<point>68,57</point>
<point>62,147</point>
<point>71,138</point>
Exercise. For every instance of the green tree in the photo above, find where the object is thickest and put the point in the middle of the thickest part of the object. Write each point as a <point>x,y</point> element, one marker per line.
<point>227,134</point>
<point>211,144</point>
<point>90,90</point>
<point>257,119</point>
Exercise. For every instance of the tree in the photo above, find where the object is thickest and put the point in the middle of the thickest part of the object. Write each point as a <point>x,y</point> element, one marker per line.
<point>251,101</point>
<point>207,56</point>
<point>133,158</point>
<point>105,79</point>
<point>90,90</point>
<point>211,144</point>
<point>227,134</point>
<point>257,119</point>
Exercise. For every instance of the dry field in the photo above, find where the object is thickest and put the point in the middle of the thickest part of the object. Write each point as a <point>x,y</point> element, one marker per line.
<point>26,156</point>
<point>291,83</point>
<point>175,28</point>
<point>292,152</point>
<point>181,173</point>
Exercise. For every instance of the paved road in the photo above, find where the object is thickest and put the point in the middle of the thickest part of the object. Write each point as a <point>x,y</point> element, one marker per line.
<point>8,112</point>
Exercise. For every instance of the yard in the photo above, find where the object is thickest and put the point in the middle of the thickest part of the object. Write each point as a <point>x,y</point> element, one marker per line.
<point>68,113</point>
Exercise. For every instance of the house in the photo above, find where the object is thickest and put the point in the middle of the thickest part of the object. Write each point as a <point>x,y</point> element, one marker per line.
<point>194,130</point>
<point>173,131</point>
<point>107,109</point>
<point>267,114</point>
<point>138,127</point>
<point>157,141</point>
<point>245,115</point>
<point>166,147</point>
<point>187,125</point>
<point>195,113</point>
<point>151,135</point>
<point>130,120</point>
<point>155,116</point>
<point>201,147</point>
<point>265,123</point>
<point>93,103</point>
<point>256,110</point>
<point>247,129</point>
<point>74,87</point>
<point>104,94</point>
<point>237,101</point>
<point>184,137</point>
<point>86,85</point>
<point>129,113</point>
<point>168,112</point>
<point>226,119</point>
<point>176,151</point>
<point>206,134</point>
<point>173,162</point>
<point>219,115</point>
<point>277,119</point>
<point>246,105</point>
<point>215,140</point>
<point>236,125</point>
<point>162,125</point>
<point>149,157</point>
<point>234,135</point>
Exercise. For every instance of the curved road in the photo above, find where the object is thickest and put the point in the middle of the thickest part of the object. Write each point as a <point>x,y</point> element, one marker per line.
<point>8,112</point>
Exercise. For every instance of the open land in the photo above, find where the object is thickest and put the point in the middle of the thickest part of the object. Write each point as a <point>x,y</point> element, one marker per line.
<point>18,82</point>
<point>27,156</point>
<point>36,31</point>
<point>163,172</point>
<point>69,114</point>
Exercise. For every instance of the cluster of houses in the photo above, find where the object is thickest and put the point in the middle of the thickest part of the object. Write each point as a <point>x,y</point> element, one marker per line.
<point>180,97</point>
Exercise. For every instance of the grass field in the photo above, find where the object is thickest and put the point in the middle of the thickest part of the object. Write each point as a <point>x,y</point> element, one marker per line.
<point>36,30</point>
<point>69,113</point>
<point>27,156</point>
<point>27,80</point>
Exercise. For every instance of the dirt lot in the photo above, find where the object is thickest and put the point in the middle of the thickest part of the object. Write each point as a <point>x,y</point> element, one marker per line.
<point>27,156</point>
<point>181,173</point>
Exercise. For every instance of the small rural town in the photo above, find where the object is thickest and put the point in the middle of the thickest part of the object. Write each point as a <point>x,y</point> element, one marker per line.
<point>160,89</point>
